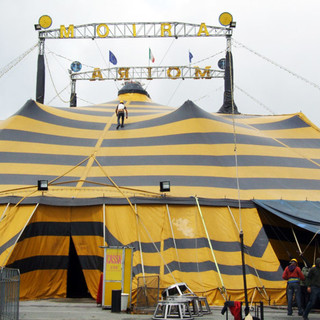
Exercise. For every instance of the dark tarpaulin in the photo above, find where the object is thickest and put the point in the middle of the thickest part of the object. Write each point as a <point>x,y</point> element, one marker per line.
<point>79,202</point>
<point>304,214</point>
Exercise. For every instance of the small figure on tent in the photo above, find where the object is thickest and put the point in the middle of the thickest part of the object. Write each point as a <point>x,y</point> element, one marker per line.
<point>292,273</point>
<point>120,110</point>
<point>313,283</point>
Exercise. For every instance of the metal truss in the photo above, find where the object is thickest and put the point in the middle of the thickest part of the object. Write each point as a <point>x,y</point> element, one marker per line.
<point>148,73</point>
<point>135,30</point>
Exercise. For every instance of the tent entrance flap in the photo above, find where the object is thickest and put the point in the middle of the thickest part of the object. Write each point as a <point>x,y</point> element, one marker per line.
<point>76,283</point>
<point>304,214</point>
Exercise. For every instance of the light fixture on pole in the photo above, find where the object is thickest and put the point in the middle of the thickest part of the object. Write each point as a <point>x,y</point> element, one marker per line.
<point>164,186</point>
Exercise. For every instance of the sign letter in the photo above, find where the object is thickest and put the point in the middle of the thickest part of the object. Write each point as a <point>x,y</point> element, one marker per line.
<point>166,29</point>
<point>106,31</point>
<point>134,31</point>
<point>96,74</point>
<point>202,74</point>
<point>64,33</point>
<point>149,73</point>
<point>203,29</point>
<point>124,73</point>
<point>178,72</point>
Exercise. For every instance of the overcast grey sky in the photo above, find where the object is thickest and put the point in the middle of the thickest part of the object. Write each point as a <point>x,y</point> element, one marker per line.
<point>286,32</point>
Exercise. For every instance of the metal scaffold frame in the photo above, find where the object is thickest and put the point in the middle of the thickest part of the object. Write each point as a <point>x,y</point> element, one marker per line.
<point>148,73</point>
<point>131,30</point>
<point>135,30</point>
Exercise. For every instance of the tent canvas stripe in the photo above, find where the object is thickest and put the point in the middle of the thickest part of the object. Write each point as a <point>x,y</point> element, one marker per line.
<point>31,111</point>
<point>207,160</point>
<point>216,182</point>
<point>27,136</point>
<point>291,123</point>
<point>190,181</point>
<point>210,138</point>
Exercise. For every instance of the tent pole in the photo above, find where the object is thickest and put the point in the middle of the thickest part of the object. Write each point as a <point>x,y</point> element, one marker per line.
<point>104,223</point>
<point>299,248</point>
<point>140,248</point>
<point>73,96</point>
<point>257,274</point>
<point>246,310</point>
<point>40,73</point>
<point>210,245</point>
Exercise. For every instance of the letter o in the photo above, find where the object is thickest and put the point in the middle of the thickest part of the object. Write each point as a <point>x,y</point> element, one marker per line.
<point>177,70</point>
<point>102,35</point>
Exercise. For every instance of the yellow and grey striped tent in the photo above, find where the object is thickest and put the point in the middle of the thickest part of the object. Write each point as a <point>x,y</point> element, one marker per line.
<point>103,189</point>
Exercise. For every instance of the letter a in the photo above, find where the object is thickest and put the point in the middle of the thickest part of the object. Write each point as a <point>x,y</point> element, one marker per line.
<point>96,74</point>
<point>203,29</point>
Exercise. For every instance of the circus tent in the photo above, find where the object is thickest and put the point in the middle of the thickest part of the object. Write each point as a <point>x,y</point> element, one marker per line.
<point>227,172</point>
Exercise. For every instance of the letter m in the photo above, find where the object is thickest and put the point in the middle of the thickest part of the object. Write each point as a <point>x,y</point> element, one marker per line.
<point>202,73</point>
<point>67,32</point>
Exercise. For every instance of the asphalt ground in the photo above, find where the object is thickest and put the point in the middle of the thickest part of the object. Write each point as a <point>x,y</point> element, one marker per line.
<point>85,309</point>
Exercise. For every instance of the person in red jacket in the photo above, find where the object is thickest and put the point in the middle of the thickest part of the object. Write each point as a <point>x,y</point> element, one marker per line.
<point>292,273</point>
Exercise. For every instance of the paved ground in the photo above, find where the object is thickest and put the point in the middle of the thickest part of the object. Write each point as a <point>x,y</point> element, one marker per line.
<point>86,309</point>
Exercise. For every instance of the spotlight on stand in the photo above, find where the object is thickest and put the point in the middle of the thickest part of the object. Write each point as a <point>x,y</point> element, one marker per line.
<point>37,27</point>
<point>42,185</point>
<point>164,186</point>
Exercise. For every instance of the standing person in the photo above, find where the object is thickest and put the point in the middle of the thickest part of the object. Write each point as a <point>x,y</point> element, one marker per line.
<point>313,283</point>
<point>292,273</point>
<point>120,110</point>
<point>304,292</point>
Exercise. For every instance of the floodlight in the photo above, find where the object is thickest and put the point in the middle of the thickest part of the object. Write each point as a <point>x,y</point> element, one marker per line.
<point>42,185</point>
<point>164,186</point>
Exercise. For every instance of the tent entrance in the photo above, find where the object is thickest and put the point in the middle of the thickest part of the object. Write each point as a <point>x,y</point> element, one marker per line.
<point>76,284</point>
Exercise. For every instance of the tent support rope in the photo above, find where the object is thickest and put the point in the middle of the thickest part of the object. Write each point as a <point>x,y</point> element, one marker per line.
<point>173,238</point>
<point>299,248</point>
<point>50,182</point>
<point>310,242</point>
<point>234,220</point>
<point>4,211</point>
<point>223,291</point>
<point>138,218</point>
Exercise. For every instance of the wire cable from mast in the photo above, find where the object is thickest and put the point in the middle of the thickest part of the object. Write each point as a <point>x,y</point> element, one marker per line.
<point>278,65</point>
<point>15,61</point>
<point>54,86</point>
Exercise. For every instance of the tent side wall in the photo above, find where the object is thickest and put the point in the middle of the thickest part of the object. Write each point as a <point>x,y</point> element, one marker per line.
<point>168,240</point>
<point>175,247</point>
<point>42,253</point>
<point>13,220</point>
